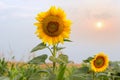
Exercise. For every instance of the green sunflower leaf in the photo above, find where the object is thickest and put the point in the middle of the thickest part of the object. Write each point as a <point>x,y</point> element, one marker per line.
<point>39,59</point>
<point>38,74</point>
<point>4,78</point>
<point>39,47</point>
<point>62,58</point>
<point>82,70</point>
<point>61,72</point>
<point>88,59</point>
<point>53,59</point>
<point>59,48</point>
<point>67,40</point>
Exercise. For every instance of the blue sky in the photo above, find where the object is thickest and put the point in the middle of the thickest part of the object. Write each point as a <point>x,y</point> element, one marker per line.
<point>17,36</point>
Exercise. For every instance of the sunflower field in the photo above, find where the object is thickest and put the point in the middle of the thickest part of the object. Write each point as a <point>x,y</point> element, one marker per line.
<point>54,29</point>
<point>38,69</point>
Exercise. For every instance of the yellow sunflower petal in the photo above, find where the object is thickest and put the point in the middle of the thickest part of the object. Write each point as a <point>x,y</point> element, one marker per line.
<point>52,11</point>
<point>61,13</point>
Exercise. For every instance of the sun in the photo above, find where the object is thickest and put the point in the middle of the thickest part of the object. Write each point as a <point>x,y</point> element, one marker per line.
<point>99,24</point>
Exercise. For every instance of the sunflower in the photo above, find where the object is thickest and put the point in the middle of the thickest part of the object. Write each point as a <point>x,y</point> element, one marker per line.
<point>52,26</point>
<point>100,62</point>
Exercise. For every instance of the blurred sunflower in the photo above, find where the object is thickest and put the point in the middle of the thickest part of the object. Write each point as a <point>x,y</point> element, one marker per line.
<point>100,62</point>
<point>52,26</point>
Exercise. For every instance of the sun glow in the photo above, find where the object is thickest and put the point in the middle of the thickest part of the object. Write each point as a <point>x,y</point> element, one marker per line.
<point>99,24</point>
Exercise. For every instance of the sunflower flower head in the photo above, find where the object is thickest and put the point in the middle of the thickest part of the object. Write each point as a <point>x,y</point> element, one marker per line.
<point>100,62</point>
<point>52,26</point>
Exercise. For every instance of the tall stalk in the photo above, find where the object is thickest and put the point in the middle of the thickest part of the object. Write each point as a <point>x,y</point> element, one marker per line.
<point>93,75</point>
<point>54,55</point>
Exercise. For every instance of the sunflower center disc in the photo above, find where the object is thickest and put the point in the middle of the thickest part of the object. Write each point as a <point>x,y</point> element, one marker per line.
<point>52,27</point>
<point>99,62</point>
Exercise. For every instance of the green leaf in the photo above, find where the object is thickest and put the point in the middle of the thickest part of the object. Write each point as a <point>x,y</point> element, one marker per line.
<point>53,59</point>
<point>67,40</point>
<point>81,74</point>
<point>52,75</point>
<point>82,70</point>
<point>88,59</point>
<point>39,59</point>
<point>61,72</point>
<point>4,78</point>
<point>39,47</point>
<point>78,77</point>
<point>62,58</point>
<point>43,75</point>
<point>60,48</point>
<point>117,77</point>
<point>115,66</point>
<point>102,76</point>
<point>40,75</point>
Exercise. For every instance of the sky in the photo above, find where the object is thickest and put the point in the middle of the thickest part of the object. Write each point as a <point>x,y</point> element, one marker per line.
<point>17,36</point>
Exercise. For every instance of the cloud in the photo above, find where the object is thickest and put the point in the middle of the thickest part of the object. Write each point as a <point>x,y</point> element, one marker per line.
<point>103,15</point>
<point>15,11</point>
<point>3,5</point>
<point>20,6</point>
<point>21,15</point>
<point>16,15</point>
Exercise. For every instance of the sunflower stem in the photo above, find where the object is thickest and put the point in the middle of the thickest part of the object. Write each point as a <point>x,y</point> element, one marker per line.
<point>54,55</point>
<point>93,75</point>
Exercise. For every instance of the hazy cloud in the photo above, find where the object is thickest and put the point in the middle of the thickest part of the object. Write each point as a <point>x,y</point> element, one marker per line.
<point>3,5</point>
<point>103,16</point>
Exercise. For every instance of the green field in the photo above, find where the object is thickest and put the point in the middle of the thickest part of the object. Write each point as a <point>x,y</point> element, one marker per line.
<point>39,70</point>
